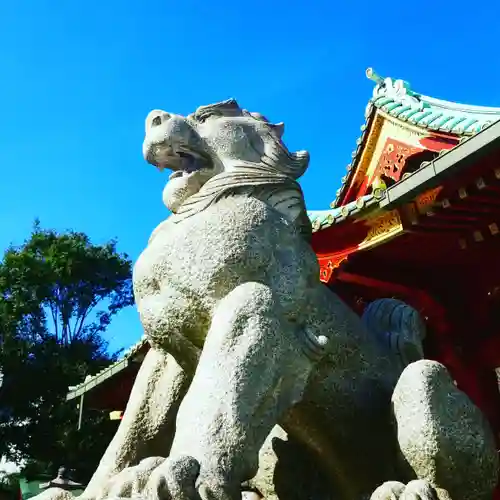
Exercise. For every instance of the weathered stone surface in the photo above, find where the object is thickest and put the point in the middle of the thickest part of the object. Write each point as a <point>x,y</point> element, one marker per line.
<point>398,326</point>
<point>289,471</point>
<point>419,490</point>
<point>131,480</point>
<point>442,435</point>
<point>55,494</point>
<point>263,481</point>
<point>391,490</point>
<point>250,495</point>
<point>415,490</point>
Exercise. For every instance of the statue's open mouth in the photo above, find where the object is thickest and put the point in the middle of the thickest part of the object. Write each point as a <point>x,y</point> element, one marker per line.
<point>180,159</point>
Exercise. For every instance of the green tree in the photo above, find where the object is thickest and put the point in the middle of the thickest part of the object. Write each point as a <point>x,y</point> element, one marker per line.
<point>58,294</point>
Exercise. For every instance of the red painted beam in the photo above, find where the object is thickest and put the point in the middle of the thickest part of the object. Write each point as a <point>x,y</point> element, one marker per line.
<point>419,299</point>
<point>488,352</point>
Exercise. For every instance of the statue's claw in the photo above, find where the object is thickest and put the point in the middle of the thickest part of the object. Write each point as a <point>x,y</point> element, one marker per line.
<point>130,481</point>
<point>414,490</point>
<point>391,490</point>
<point>180,479</point>
<point>174,479</point>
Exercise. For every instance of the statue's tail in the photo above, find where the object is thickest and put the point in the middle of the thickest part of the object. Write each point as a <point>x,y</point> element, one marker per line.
<point>398,326</point>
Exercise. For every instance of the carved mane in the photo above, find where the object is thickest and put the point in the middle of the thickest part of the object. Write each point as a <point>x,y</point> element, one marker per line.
<point>278,190</point>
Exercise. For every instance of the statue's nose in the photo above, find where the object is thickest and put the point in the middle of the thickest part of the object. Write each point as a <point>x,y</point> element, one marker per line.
<point>156,118</point>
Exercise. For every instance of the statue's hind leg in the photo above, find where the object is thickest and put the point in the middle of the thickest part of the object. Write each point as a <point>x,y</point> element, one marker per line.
<point>250,372</point>
<point>443,437</point>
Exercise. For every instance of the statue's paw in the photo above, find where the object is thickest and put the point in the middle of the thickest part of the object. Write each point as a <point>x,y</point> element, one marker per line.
<point>174,479</point>
<point>211,487</point>
<point>180,479</point>
<point>414,490</point>
<point>419,490</point>
<point>132,480</point>
<point>391,490</point>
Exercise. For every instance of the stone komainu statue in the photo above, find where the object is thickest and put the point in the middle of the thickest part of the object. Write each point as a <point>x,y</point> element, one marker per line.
<point>244,338</point>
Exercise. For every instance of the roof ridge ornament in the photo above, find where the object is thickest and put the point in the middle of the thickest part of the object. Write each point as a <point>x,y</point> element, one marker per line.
<point>374,77</point>
<point>395,90</point>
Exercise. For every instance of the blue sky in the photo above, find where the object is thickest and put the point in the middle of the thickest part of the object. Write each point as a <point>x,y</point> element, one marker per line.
<point>78,78</point>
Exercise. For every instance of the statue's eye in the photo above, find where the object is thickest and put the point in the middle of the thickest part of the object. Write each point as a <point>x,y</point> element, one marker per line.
<point>156,121</point>
<point>204,115</point>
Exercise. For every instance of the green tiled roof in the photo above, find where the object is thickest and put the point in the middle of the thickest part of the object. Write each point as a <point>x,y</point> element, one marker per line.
<point>321,219</point>
<point>396,98</point>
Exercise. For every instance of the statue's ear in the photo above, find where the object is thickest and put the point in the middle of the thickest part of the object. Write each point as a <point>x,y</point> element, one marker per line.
<point>229,104</point>
<point>299,161</point>
<point>279,129</point>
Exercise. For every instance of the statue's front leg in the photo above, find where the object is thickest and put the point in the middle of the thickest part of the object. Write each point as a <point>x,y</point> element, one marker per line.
<point>251,371</point>
<point>148,423</point>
